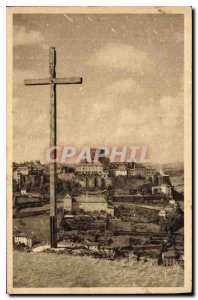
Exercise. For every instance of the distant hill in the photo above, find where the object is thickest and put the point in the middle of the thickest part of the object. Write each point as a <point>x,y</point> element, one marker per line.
<point>166,166</point>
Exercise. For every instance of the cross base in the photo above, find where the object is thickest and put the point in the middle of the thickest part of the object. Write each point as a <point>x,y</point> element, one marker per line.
<point>53,231</point>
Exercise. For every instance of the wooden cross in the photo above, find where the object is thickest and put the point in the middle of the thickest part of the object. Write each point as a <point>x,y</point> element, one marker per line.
<point>53,81</point>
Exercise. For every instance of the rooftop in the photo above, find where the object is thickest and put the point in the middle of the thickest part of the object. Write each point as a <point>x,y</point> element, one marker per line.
<point>94,198</point>
<point>27,235</point>
<point>32,209</point>
<point>98,163</point>
<point>170,253</point>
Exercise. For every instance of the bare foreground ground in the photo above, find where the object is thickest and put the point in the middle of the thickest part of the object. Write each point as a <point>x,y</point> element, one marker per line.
<point>53,270</point>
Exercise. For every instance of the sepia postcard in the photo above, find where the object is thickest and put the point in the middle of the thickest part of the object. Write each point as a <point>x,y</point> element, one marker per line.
<point>99,150</point>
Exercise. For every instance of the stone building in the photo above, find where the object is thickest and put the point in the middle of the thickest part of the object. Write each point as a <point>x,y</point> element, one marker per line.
<point>89,168</point>
<point>166,189</point>
<point>17,176</point>
<point>24,239</point>
<point>163,213</point>
<point>162,188</point>
<point>93,203</point>
<point>140,170</point>
<point>67,203</point>
<point>169,258</point>
<point>120,171</point>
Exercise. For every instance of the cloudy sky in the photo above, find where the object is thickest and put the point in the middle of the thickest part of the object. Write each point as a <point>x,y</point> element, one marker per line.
<point>132,91</point>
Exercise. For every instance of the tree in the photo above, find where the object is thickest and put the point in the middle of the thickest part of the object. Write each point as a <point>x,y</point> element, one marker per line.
<point>15,186</point>
<point>29,186</point>
<point>59,185</point>
<point>95,181</point>
<point>109,187</point>
<point>103,184</point>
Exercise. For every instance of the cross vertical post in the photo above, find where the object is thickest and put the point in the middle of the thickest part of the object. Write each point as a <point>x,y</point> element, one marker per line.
<point>52,166</point>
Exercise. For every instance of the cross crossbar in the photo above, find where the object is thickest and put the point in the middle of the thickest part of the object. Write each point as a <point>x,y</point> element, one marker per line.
<point>46,81</point>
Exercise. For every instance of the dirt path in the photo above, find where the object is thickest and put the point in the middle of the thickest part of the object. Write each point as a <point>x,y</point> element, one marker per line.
<point>144,206</point>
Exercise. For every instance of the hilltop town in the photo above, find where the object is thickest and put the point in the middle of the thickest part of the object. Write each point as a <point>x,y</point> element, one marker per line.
<point>106,210</point>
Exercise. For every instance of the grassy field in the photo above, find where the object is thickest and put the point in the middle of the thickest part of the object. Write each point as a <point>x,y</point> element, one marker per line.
<point>39,225</point>
<point>53,270</point>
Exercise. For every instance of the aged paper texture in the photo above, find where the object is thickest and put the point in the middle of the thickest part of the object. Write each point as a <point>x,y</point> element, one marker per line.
<point>99,150</point>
